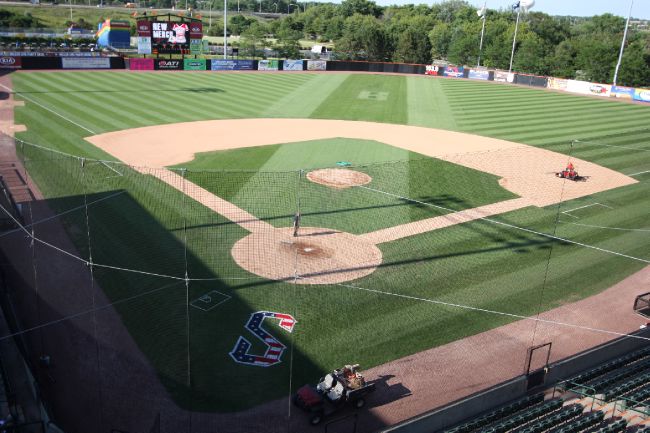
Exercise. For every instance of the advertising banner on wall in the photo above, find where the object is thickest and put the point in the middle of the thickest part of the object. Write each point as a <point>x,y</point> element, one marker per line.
<point>642,95</point>
<point>10,62</point>
<point>622,92</point>
<point>475,74</point>
<point>556,83</point>
<point>268,65</point>
<point>316,65</point>
<point>231,65</point>
<point>136,64</point>
<point>292,65</point>
<point>433,70</point>
<point>85,63</point>
<point>587,88</point>
<point>168,65</point>
<point>454,71</point>
<point>194,64</point>
<point>501,76</point>
<point>144,45</point>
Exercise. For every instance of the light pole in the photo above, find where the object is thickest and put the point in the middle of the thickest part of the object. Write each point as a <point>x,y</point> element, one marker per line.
<point>482,15</point>
<point>620,54</point>
<point>225,25</point>
<point>260,6</point>
<point>524,5</point>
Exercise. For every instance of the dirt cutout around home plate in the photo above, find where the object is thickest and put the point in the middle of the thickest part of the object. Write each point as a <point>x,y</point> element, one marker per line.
<point>315,256</point>
<point>339,178</point>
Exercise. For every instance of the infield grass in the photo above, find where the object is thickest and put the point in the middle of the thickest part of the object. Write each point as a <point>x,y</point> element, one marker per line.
<point>152,228</point>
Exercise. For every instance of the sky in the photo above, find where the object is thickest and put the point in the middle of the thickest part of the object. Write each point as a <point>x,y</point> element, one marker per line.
<point>641,8</point>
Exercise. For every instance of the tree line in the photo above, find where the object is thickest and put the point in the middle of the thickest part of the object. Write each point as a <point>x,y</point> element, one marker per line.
<point>450,31</point>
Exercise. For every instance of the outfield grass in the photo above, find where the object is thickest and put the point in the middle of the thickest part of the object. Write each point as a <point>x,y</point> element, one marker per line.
<point>477,264</point>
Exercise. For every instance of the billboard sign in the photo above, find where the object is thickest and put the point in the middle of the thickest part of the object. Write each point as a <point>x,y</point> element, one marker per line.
<point>164,32</point>
<point>475,74</point>
<point>622,92</point>
<point>137,64</point>
<point>194,64</point>
<point>196,46</point>
<point>144,45</point>
<point>268,65</point>
<point>316,65</point>
<point>144,28</point>
<point>292,65</point>
<point>168,65</point>
<point>454,71</point>
<point>196,30</point>
<point>85,63</point>
<point>642,95</point>
<point>10,62</point>
<point>231,65</point>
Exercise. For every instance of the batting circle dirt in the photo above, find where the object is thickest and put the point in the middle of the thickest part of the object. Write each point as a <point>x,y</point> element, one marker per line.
<point>339,178</point>
<point>315,256</point>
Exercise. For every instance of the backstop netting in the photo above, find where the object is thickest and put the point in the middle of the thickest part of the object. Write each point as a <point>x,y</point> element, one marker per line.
<point>174,300</point>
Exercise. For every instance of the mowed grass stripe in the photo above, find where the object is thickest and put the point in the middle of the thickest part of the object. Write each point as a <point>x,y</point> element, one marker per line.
<point>80,108</point>
<point>580,122</point>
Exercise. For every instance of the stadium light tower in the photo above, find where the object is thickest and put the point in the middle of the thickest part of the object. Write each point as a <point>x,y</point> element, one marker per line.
<point>225,26</point>
<point>521,6</point>
<point>620,54</point>
<point>482,14</point>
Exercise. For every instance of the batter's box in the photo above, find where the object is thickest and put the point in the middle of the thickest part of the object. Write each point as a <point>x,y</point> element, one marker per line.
<point>210,300</point>
<point>374,96</point>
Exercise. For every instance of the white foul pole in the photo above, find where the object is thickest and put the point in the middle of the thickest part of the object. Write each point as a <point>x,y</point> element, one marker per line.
<point>480,47</point>
<point>620,54</point>
<point>514,39</point>
<point>225,25</point>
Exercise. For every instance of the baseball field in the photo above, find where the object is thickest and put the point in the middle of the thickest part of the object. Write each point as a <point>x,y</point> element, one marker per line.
<point>182,193</point>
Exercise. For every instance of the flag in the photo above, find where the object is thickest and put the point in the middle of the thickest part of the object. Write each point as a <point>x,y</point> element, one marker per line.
<point>516,5</point>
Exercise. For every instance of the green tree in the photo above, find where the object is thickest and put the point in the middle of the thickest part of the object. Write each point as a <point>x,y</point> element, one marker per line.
<point>252,40</point>
<point>440,39</point>
<point>363,38</point>
<point>361,7</point>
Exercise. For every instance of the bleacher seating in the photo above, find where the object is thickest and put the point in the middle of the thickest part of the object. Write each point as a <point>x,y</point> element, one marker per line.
<point>557,418</point>
<point>498,414</point>
<point>581,423</point>
<point>588,403</point>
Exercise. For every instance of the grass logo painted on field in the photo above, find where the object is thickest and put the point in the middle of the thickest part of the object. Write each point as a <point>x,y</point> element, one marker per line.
<point>274,348</point>
<point>374,96</point>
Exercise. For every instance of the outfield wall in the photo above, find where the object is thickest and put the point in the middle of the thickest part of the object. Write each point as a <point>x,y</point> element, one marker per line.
<point>18,60</point>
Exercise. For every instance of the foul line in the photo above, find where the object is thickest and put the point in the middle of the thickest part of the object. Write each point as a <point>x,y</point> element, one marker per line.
<point>607,228</point>
<point>611,145</point>
<point>50,110</point>
<point>636,174</point>
<point>500,313</point>
<point>515,227</point>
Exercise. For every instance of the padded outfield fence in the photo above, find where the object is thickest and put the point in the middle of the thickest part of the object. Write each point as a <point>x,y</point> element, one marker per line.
<point>173,299</point>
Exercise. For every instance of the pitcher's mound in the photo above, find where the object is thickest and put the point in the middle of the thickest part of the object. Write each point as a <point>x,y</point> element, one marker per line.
<point>316,256</point>
<point>339,178</point>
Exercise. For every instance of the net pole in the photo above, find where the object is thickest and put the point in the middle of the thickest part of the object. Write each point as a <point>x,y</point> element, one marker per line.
<point>91,271</point>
